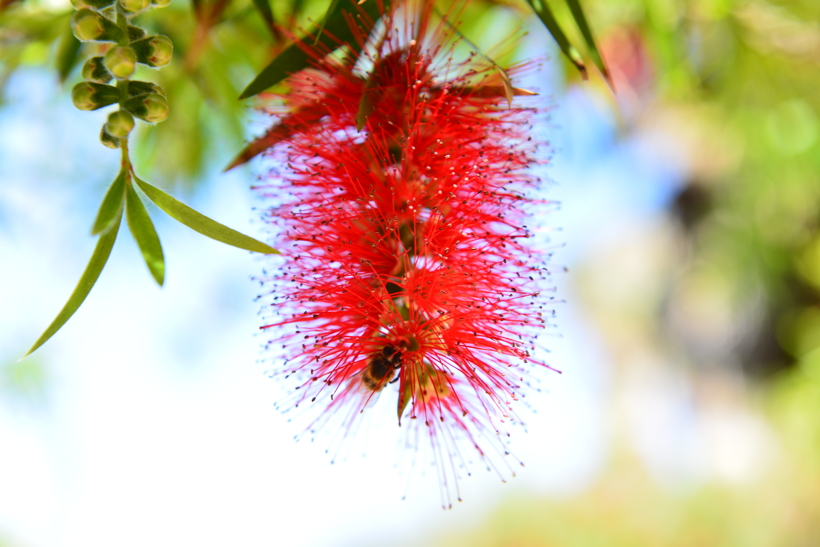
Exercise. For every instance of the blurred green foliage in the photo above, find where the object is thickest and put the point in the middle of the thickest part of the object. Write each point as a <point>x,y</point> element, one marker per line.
<point>741,77</point>
<point>734,81</point>
<point>626,507</point>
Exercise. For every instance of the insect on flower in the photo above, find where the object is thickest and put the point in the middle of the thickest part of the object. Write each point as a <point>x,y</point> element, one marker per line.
<point>379,370</point>
<point>407,270</point>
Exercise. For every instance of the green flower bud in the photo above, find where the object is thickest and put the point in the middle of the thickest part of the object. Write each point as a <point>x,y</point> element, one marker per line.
<point>141,88</point>
<point>93,4</point>
<point>154,50</point>
<point>160,3</point>
<point>91,95</point>
<point>109,140</point>
<point>86,25</point>
<point>95,71</point>
<point>89,25</point>
<point>134,6</point>
<point>121,61</point>
<point>119,124</point>
<point>151,108</point>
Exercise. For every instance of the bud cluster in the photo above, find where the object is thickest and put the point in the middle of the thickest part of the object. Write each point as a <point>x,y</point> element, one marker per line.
<point>107,77</point>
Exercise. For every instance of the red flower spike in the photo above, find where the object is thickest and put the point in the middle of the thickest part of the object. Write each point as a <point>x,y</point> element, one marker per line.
<point>405,251</point>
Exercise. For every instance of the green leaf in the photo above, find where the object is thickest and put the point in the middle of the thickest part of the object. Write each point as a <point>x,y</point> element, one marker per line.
<point>581,21</point>
<point>200,223</point>
<point>67,53</point>
<point>298,7</point>
<point>144,234</point>
<point>92,272</point>
<point>330,10</point>
<point>111,205</point>
<point>293,58</point>
<point>264,10</point>
<point>300,120</point>
<point>544,13</point>
<point>404,399</point>
<point>509,90</point>
<point>366,102</point>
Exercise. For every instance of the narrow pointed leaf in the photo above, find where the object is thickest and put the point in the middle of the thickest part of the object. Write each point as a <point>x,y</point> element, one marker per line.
<point>366,102</point>
<point>508,87</point>
<point>298,121</point>
<point>67,53</point>
<point>263,6</point>
<point>583,25</point>
<point>92,272</point>
<point>200,223</point>
<point>290,61</point>
<point>491,91</point>
<point>404,400</point>
<point>293,58</point>
<point>544,13</point>
<point>331,9</point>
<point>111,205</point>
<point>275,134</point>
<point>144,234</point>
<point>509,90</point>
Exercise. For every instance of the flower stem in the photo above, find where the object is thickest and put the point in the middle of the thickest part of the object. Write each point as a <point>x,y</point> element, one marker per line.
<point>122,87</point>
<point>125,162</point>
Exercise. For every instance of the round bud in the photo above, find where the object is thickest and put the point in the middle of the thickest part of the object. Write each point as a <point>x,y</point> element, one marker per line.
<point>119,124</point>
<point>120,61</point>
<point>154,51</point>
<point>109,140</point>
<point>88,25</point>
<point>91,95</point>
<point>95,71</point>
<point>160,3</point>
<point>134,6</point>
<point>162,51</point>
<point>156,108</point>
<point>151,108</point>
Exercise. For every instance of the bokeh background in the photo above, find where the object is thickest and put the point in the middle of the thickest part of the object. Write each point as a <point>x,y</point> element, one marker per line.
<point>688,411</point>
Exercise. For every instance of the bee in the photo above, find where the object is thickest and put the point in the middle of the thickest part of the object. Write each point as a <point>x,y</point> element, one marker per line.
<point>380,368</point>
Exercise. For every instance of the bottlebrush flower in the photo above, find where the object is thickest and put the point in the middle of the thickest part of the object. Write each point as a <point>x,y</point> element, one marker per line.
<point>406,267</point>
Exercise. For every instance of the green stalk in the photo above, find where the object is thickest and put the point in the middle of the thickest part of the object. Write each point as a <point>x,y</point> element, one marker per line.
<point>122,87</point>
